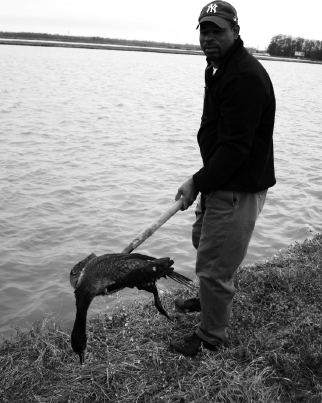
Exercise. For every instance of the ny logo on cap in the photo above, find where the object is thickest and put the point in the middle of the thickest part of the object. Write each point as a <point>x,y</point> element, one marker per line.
<point>212,8</point>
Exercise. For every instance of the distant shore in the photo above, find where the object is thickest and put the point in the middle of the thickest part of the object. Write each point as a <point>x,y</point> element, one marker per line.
<point>24,42</point>
<point>183,51</point>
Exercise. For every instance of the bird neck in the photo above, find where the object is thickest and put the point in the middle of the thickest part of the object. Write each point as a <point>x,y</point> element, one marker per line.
<point>78,336</point>
<point>83,301</point>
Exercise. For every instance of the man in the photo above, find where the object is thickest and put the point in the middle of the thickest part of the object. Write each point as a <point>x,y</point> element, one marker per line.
<point>236,145</point>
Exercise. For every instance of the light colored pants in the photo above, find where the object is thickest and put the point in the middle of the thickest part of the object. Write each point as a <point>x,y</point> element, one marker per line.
<point>221,236</point>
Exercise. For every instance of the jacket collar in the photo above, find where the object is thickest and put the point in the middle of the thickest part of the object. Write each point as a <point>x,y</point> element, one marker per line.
<point>237,46</point>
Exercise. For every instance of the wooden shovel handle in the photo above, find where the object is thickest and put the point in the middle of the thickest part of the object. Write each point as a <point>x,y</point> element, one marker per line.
<point>146,233</point>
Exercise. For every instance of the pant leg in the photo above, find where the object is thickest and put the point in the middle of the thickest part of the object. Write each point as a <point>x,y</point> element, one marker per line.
<point>197,225</point>
<point>226,231</point>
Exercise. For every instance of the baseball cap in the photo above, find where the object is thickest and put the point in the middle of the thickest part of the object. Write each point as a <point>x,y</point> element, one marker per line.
<point>219,12</point>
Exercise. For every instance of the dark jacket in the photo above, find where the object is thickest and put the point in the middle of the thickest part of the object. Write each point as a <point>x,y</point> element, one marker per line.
<point>236,132</point>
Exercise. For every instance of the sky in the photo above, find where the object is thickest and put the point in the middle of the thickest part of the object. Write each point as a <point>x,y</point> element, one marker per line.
<point>164,20</point>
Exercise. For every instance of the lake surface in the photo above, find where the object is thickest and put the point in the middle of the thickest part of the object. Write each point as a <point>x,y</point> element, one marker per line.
<point>94,145</point>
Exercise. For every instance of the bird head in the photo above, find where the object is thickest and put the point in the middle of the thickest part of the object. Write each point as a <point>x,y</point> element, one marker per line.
<point>79,342</point>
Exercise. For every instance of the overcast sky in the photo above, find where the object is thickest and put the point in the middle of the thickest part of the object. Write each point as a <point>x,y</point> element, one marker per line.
<point>163,20</point>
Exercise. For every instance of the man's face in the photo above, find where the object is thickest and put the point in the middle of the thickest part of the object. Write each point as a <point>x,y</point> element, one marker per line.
<point>215,41</point>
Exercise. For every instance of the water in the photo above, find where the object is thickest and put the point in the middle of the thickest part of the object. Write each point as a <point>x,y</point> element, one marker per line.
<point>94,145</point>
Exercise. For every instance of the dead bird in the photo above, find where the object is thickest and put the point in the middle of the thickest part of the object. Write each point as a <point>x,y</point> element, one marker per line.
<point>107,274</point>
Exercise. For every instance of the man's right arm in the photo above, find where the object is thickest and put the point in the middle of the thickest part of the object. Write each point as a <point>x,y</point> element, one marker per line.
<point>188,192</point>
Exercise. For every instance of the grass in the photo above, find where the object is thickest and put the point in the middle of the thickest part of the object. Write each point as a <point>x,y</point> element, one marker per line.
<point>275,352</point>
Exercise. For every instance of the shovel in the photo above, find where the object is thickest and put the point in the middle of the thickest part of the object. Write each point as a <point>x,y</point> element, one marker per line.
<point>150,230</point>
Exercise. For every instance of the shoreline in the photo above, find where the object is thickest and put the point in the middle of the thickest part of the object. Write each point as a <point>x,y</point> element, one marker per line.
<point>4,41</point>
<point>274,354</point>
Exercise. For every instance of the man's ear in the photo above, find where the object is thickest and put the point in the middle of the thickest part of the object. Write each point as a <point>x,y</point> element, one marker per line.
<point>236,29</point>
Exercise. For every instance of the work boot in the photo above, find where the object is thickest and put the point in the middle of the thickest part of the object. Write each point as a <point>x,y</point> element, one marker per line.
<point>191,345</point>
<point>190,305</point>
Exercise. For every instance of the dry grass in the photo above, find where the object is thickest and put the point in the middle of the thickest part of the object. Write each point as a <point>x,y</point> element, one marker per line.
<point>275,353</point>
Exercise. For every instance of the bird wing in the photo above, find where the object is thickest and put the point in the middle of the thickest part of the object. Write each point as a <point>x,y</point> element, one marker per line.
<point>136,272</point>
<point>110,268</point>
<point>132,269</point>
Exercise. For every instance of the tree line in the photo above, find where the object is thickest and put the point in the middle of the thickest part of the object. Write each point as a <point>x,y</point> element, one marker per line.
<point>280,45</point>
<point>94,39</point>
<point>100,40</point>
<point>286,46</point>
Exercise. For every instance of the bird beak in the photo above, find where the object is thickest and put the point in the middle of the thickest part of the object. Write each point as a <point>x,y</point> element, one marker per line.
<point>82,358</point>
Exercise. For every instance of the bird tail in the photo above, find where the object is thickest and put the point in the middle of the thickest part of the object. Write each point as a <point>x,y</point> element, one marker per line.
<point>166,262</point>
<point>179,278</point>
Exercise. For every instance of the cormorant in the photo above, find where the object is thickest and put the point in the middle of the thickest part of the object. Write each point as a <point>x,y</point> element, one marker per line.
<point>109,273</point>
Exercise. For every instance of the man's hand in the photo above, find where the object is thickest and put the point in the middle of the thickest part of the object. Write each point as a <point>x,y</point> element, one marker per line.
<point>188,192</point>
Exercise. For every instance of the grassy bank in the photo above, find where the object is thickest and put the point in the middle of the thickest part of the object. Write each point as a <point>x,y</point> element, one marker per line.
<point>275,353</point>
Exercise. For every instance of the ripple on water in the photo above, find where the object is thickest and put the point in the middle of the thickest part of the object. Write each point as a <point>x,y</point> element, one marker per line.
<point>91,157</point>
